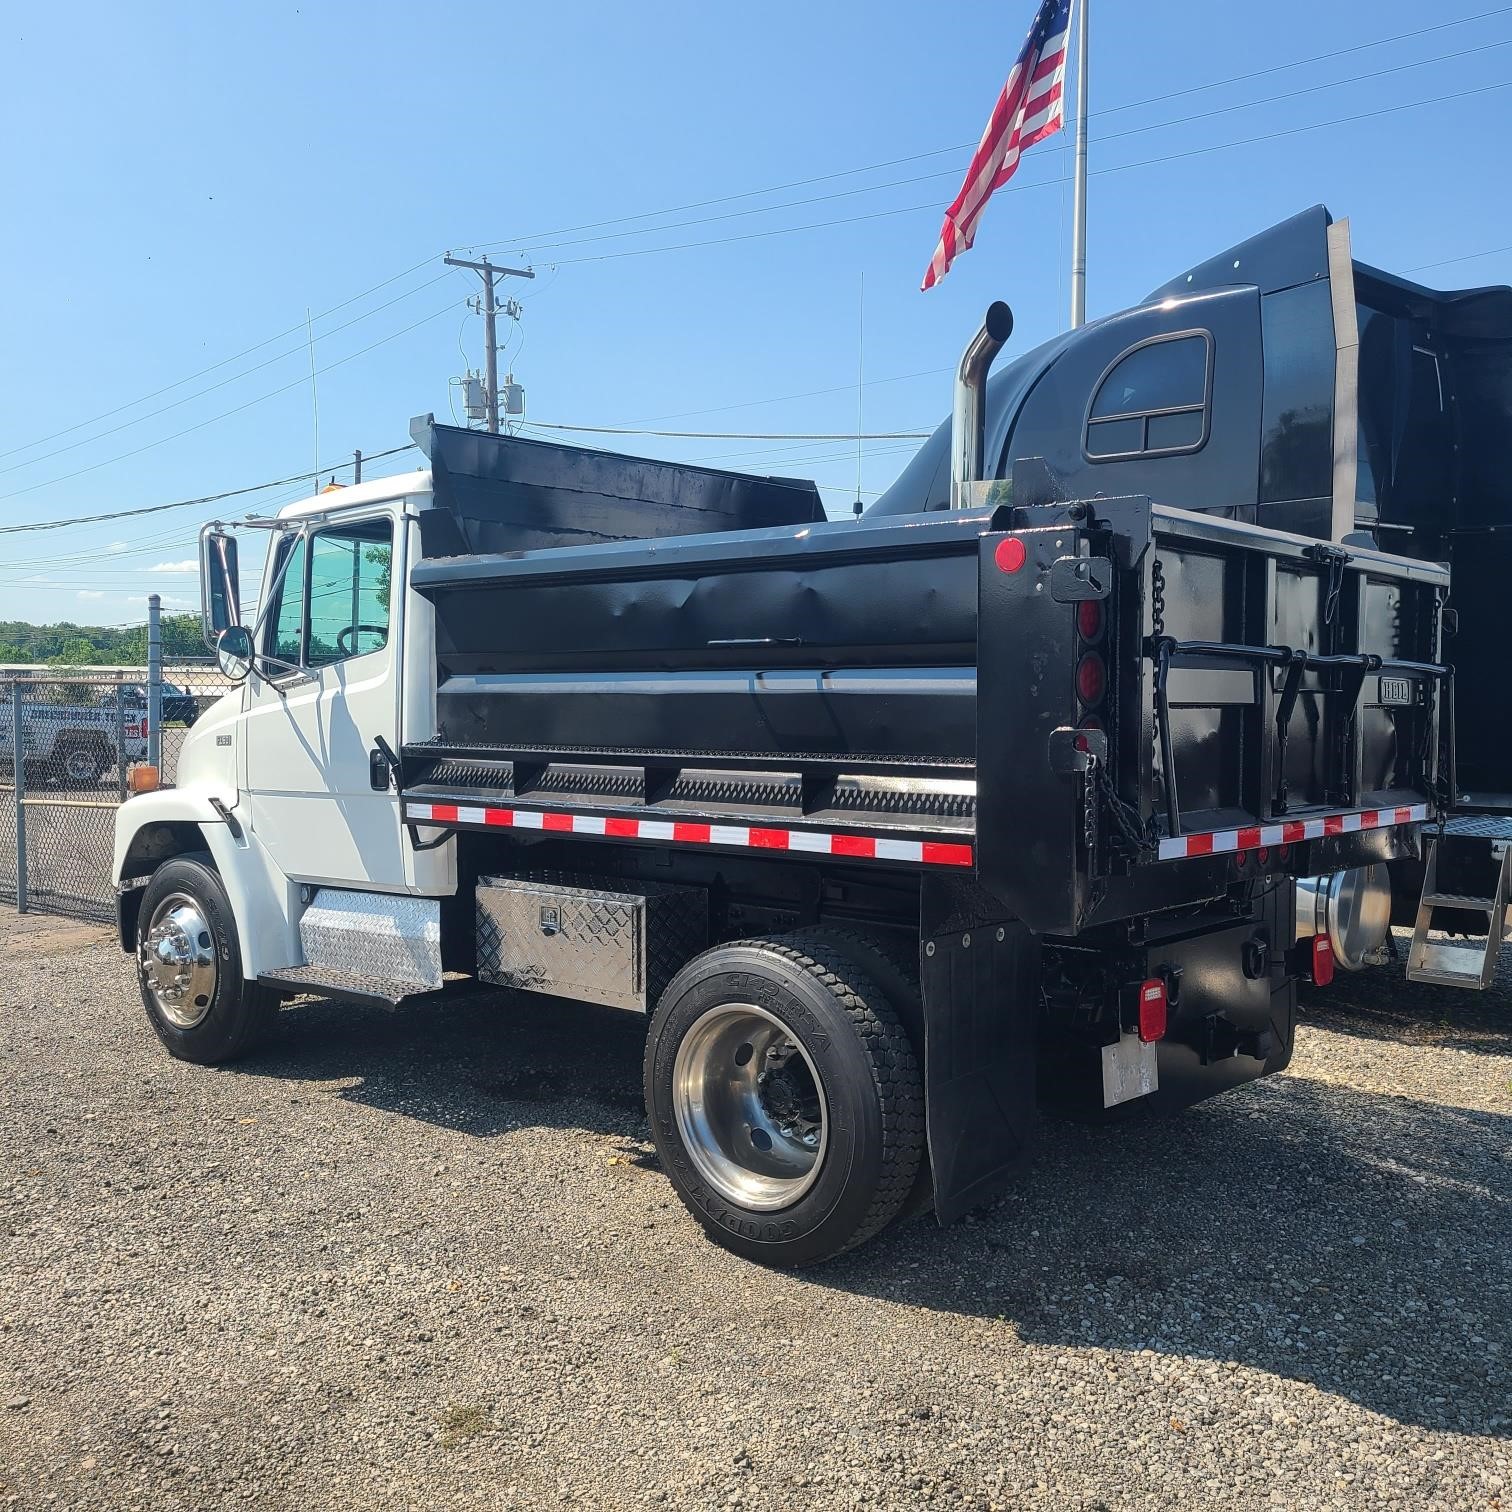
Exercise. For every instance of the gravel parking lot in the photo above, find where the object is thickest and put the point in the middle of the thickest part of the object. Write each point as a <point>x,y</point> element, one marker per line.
<point>423,1259</point>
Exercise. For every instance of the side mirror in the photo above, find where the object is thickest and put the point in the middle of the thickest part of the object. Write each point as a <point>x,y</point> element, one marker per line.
<point>220,592</point>
<point>233,652</point>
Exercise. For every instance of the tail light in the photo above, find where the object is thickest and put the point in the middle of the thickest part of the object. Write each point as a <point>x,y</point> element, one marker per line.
<point>1153,1003</point>
<point>1089,620</point>
<point>1091,678</point>
<point>1322,961</point>
<point>141,729</point>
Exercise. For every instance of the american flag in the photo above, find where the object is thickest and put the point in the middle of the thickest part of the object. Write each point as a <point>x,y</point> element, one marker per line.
<point>1028,109</point>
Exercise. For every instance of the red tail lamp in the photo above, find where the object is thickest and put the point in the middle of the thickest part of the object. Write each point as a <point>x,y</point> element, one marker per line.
<point>1153,1003</point>
<point>1091,678</point>
<point>1089,619</point>
<point>1011,554</point>
<point>1322,961</point>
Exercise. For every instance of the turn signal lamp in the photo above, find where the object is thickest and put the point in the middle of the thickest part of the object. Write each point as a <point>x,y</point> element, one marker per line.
<point>142,778</point>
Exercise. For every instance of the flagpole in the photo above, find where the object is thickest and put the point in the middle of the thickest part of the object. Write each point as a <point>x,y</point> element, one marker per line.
<point>1079,176</point>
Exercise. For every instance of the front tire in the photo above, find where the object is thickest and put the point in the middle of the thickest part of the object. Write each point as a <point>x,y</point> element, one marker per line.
<point>189,966</point>
<point>785,1100</point>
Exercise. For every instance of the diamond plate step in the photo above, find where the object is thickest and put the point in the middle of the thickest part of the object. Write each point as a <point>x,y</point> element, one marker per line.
<point>328,981</point>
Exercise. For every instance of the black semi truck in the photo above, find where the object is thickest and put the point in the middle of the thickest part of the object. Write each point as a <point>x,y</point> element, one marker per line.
<point>891,829</point>
<point>1283,384</point>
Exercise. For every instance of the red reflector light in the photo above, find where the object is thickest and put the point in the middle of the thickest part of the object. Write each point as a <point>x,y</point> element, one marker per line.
<point>1089,619</point>
<point>1091,678</point>
<point>1010,554</point>
<point>1152,1010</point>
<point>1322,961</point>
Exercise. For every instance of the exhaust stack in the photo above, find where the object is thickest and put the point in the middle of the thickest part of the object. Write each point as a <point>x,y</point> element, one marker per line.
<point>968,421</point>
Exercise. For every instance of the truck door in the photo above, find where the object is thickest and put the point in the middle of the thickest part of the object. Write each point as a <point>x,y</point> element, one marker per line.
<point>313,799</point>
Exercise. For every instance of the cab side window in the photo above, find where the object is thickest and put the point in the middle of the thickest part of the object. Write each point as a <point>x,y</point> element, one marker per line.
<point>351,570</point>
<point>1154,401</point>
<point>333,601</point>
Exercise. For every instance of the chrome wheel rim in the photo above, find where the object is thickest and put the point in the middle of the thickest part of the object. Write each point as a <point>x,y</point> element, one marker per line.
<point>176,959</point>
<point>750,1107</point>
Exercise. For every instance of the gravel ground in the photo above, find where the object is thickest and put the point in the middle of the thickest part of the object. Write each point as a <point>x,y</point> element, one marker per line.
<point>424,1259</point>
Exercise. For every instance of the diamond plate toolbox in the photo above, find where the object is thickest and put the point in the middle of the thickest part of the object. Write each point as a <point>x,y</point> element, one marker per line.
<point>620,948</point>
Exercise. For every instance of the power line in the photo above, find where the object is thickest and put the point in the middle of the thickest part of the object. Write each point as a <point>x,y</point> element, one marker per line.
<point>1170,157</point>
<point>1444,262</point>
<point>215,498</point>
<point>539,238</point>
<point>234,378</point>
<point>916,157</point>
<point>626,430</point>
<point>214,366</point>
<point>226,414</point>
<point>539,247</point>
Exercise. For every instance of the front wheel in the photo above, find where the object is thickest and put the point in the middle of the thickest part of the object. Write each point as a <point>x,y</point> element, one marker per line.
<point>189,966</point>
<point>785,1099</point>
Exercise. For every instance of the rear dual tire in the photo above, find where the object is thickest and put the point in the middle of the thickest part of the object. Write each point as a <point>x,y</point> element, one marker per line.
<point>785,1099</point>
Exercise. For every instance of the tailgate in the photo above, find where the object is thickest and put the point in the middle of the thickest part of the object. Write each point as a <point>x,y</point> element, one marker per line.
<point>1199,698</point>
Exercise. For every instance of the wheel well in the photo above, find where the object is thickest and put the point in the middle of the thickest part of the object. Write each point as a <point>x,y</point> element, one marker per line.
<point>82,740</point>
<point>152,845</point>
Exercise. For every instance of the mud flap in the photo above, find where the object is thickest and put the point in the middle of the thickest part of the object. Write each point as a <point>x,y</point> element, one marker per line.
<point>980,979</point>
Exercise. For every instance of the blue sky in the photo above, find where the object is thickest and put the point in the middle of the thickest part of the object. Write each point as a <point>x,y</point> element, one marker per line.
<point>183,182</point>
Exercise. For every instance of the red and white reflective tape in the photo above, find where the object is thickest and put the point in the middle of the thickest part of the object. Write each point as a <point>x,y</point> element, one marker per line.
<point>1289,832</point>
<point>678,832</point>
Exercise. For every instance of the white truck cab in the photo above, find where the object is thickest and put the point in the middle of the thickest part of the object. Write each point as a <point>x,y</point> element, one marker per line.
<point>285,781</point>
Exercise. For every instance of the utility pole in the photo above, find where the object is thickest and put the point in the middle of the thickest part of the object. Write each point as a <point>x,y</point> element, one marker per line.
<point>489,310</point>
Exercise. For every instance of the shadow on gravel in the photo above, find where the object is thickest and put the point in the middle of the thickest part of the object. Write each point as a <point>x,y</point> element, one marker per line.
<point>1323,1234</point>
<point>481,1062</point>
<point>1381,1004</point>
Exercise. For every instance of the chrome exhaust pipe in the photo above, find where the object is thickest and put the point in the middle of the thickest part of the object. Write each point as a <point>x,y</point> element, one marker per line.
<point>968,419</point>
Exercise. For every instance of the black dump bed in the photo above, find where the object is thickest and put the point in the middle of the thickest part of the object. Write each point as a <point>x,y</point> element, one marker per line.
<point>511,493</point>
<point>1103,708</point>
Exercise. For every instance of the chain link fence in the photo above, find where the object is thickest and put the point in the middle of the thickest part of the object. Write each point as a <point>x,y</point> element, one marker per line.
<point>68,742</point>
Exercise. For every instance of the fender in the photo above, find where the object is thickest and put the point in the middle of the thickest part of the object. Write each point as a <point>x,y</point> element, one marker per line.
<point>154,827</point>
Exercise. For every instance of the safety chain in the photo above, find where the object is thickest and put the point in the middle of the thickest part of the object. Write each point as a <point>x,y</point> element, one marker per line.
<point>1089,808</point>
<point>1136,833</point>
<point>1157,598</point>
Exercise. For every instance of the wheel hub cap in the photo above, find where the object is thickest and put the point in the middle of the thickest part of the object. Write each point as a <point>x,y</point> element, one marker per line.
<point>177,960</point>
<point>750,1107</point>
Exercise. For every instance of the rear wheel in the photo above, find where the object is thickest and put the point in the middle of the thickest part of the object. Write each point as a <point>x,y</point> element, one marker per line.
<point>189,966</point>
<point>785,1099</point>
<point>891,959</point>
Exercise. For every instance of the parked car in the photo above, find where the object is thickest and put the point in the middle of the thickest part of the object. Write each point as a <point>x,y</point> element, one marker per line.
<point>179,705</point>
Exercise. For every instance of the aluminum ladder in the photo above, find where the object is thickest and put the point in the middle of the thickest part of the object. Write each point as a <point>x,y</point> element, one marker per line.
<point>1478,853</point>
